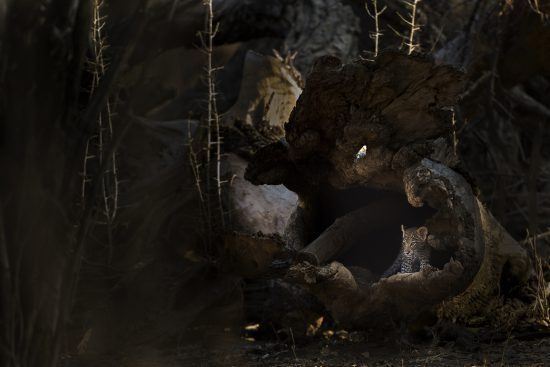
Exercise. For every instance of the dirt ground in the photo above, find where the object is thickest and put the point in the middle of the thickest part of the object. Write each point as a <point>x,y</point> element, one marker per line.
<point>342,349</point>
<point>509,353</point>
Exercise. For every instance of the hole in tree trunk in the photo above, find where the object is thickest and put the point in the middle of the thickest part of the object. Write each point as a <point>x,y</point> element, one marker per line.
<point>374,247</point>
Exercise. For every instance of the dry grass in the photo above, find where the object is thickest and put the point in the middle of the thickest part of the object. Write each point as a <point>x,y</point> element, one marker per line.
<point>541,306</point>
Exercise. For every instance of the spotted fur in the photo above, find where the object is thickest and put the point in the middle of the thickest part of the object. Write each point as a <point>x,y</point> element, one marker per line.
<point>414,254</point>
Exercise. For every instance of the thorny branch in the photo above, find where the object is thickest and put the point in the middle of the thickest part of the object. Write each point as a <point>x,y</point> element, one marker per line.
<point>412,22</point>
<point>375,15</point>
<point>109,181</point>
<point>213,145</point>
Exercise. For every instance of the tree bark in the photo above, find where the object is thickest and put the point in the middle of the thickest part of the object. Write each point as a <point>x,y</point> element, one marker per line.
<point>394,108</point>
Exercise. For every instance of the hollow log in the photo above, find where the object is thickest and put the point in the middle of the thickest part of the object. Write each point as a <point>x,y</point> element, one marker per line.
<point>459,290</point>
<point>348,230</point>
<point>386,125</point>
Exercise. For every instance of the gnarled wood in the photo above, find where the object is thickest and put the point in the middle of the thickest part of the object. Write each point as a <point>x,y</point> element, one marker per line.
<point>396,109</point>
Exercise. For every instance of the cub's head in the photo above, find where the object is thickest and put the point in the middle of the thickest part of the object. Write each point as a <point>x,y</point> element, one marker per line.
<point>414,238</point>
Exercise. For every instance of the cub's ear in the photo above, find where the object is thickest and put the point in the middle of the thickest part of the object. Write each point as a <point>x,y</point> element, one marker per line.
<point>423,232</point>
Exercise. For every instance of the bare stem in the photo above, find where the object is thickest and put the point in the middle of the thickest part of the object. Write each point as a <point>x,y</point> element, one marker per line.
<point>375,15</point>
<point>105,131</point>
<point>214,139</point>
<point>412,22</point>
<point>208,164</point>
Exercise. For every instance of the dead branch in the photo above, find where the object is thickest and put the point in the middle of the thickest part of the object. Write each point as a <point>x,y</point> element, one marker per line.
<point>375,15</point>
<point>525,100</point>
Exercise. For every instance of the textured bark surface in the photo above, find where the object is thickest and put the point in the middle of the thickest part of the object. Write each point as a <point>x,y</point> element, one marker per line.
<point>265,209</point>
<point>396,109</point>
<point>477,248</point>
<point>269,91</point>
<point>393,107</point>
<point>312,28</point>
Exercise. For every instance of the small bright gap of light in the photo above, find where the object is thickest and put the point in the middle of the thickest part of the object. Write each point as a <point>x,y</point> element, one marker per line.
<point>252,327</point>
<point>361,153</point>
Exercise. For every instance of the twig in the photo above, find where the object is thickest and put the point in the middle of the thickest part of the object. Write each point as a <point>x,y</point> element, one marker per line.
<point>173,10</point>
<point>468,30</point>
<point>71,276</point>
<point>375,15</point>
<point>519,95</point>
<point>109,180</point>
<point>213,145</point>
<point>535,6</point>
<point>455,136</point>
<point>532,178</point>
<point>413,25</point>
<point>196,168</point>
<point>475,84</point>
<point>537,237</point>
<point>293,347</point>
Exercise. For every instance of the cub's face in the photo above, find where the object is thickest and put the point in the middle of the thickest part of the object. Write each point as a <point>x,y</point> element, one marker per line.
<point>414,238</point>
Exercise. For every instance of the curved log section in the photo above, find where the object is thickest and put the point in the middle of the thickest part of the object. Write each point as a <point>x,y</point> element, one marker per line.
<point>462,226</point>
<point>393,107</point>
<point>385,125</point>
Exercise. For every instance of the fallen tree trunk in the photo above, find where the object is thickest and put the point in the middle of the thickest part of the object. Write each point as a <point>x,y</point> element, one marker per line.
<point>394,108</point>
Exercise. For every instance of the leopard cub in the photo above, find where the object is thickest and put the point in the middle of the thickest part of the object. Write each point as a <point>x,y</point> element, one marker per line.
<point>414,254</point>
